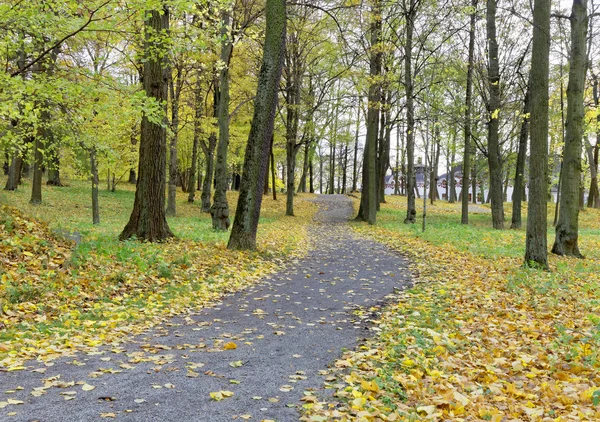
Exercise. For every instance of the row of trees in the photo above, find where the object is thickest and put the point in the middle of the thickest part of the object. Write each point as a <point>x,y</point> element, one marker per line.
<point>453,79</point>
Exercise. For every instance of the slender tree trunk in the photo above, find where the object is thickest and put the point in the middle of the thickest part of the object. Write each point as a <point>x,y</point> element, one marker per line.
<point>311,176</point>
<point>592,151</point>
<point>517,195</point>
<point>466,168</point>
<point>494,155</point>
<point>567,229</point>
<point>36,185</point>
<point>411,209</point>
<point>302,184</point>
<point>243,232</point>
<point>95,183</point>
<point>175,90</point>
<point>197,133</point>
<point>355,162</point>
<point>368,197</point>
<point>209,152</point>
<point>536,239</point>
<point>148,220</point>
<point>273,172</point>
<point>220,208</point>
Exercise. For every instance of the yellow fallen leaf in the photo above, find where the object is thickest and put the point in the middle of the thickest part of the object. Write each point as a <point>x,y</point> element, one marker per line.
<point>230,346</point>
<point>87,387</point>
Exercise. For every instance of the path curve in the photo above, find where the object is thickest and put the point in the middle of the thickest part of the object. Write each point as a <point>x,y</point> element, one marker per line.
<point>287,330</point>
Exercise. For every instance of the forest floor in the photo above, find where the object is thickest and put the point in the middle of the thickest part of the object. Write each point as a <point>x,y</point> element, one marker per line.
<point>259,353</point>
<point>479,337</point>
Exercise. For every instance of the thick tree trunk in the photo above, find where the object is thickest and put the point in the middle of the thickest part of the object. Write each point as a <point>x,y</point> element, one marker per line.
<point>148,220</point>
<point>536,239</point>
<point>14,172</point>
<point>220,208</point>
<point>517,195</point>
<point>95,182</point>
<point>243,232</point>
<point>493,143</point>
<point>466,168</point>
<point>368,197</point>
<point>567,228</point>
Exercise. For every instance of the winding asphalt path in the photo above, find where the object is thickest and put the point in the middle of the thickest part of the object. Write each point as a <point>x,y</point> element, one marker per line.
<point>286,330</point>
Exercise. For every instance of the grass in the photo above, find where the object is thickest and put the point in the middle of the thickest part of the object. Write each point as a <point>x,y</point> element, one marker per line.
<point>56,296</point>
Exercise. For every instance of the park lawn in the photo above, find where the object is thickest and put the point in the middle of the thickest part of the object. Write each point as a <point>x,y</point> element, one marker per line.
<point>478,337</point>
<point>57,297</point>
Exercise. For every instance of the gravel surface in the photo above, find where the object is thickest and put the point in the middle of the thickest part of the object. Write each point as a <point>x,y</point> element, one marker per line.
<point>287,331</point>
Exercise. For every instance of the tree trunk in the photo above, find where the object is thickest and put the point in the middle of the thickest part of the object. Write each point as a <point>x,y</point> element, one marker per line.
<point>567,228</point>
<point>594,195</point>
<point>243,232</point>
<point>273,172</point>
<point>517,195</point>
<point>355,162</point>
<point>411,208</point>
<point>209,152</point>
<point>493,143</point>
<point>36,185</point>
<point>220,208</point>
<point>14,172</point>
<point>148,220</point>
<point>368,197</point>
<point>95,182</point>
<point>466,168</point>
<point>175,89</point>
<point>54,171</point>
<point>197,132</point>
<point>536,239</point>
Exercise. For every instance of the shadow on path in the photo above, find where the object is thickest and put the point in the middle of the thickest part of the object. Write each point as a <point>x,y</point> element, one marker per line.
<point>287,330</point>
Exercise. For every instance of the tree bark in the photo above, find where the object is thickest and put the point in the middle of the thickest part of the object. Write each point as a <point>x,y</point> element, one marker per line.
<point>197,132</point>
<point>95,182</point>
<point>368,197</point>
<point>466,168</point>
<point>148,220</point>
<point>493,143</point>
<point>411,208</point>
<point>536,238</point>
<point>175,90</point>
<point>355,162</point>
<point>517,195</point>
<point>243,232</point>
<point>220,208</point>
<point>567,228</point>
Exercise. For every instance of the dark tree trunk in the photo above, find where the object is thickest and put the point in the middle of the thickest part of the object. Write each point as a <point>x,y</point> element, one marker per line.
<point>466,168</point>
<point>243,232</point>
<point>148,220</point>
<point>95,182</point>
<point>493,143</point>
<point>14,172</point>
<point>311,185</point>
<point>220,208</point>
<point>536,240</point>
<point>592,151</point>
<point>175,90</point>
<point>132,180</point>
<point>54,170</point>
<point>517,195</point>
<point>368,197</point>
<point>209,152</point>
<point>411,207</point>
<point>38,159</point>
<point>196,142</point>
<point>355,162</point>
<point>567,228</point>
<point>273,172</point>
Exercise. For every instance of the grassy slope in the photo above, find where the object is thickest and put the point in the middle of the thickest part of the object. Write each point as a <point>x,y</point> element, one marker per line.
<point>479,337</point>
<point>55,297</point>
